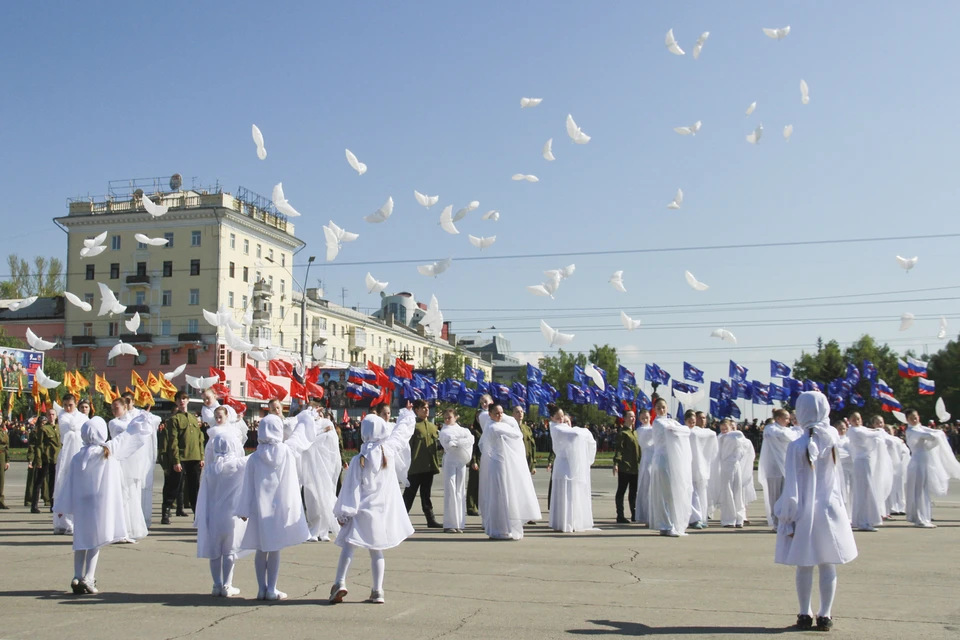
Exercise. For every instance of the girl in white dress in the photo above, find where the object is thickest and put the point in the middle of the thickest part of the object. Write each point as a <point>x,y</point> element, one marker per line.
<point>813,529</point>
<point>726,478</point>
<point>645,438</point>
<point>370,507</point>
<point>135,467</point>
<point>457,443</point>
<point>575,447</point>
<point>929,470</point>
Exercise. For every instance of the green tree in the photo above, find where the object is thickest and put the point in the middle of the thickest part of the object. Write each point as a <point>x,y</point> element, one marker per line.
<point>558,371</point>
<point>45,279</point>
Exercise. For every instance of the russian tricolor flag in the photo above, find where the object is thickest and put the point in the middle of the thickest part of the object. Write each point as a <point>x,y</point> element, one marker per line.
<point>358,375</point>
<point>903,369</point>
<point>918,368</point>
<point>927,387</point>
<point>888,402</point>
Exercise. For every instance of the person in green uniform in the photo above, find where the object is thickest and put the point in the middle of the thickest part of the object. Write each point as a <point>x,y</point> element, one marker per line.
<point>626,466</point>
<point>424,463</point>
<point>4,460</point>
<point>529,443</point>
<point>31,448</point>
<point>473,475</point>
<point>184,450</point>
<point>45,456</point>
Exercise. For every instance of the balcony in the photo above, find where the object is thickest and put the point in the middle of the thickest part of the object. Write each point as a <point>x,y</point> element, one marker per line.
<point>358,339</point>
<point>261,316</point>
<point>262,289</point>
<point>142,309</point>
<point>138,281</point>
<point>139,338</point>
<point>190,337</point>
<point>84,341</point>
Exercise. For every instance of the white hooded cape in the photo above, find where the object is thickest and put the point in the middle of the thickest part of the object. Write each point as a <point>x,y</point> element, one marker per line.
<point>507,498</point>
<point>773,459</point>
<point>320,466</point>
<point>872,476</point>
<point>571,508</point>
<point>931,466</point>
<point>219,530</point>
<point>136,469</point>
<point>70,444</point>
<point>645,438</point>
<point>671,483</point>
<point>457,443</point>
<point>726,480</point>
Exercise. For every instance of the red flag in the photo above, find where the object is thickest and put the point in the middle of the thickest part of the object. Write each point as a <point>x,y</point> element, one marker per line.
<point>313,375</point>
<point>276,391</point>
<point>382,378</point>
<point>403,370</point>
<point>238,406</point>
<point>221,390</point>
<point>281,368</point>
<point>345,420</point>
<point>219,373</point>
<point>297,390</point>
<point>314,390</point>
<point>255,374</point>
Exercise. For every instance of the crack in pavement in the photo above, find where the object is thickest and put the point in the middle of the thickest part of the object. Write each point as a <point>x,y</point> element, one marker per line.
<point>461,625</point>
<point>215,623</point>
<point>628,560</point>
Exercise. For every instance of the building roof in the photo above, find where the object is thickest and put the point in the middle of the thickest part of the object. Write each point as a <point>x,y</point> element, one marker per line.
<point>43,309</point>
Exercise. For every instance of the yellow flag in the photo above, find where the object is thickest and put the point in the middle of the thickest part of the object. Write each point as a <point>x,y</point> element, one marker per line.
<point>143,397</point>
<point>80,381</point>
<point>101,386</point>
<point>136,380</point>
<point>153,383</point>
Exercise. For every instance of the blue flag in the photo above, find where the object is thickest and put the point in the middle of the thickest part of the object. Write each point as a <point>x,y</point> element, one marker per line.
<point>869,371</point>
<point>650,373</point>
<point>470,374</point>
<point>643,401</point>
<point>737,372</point>
<point>691,373</point>
<point>679,409</point>
<point>776,392</point>
<point>626,377</point>
<point>578,375</point>
<point>715,392</point>
<point>779,370</point>
<point>534,375</point>
<point>683,387</point>
<point>742,390</point>
<point>853,375</point>
<point>761,394</point>
<point>714,408</point>
<point>575,394</point>
<point>469,397</point>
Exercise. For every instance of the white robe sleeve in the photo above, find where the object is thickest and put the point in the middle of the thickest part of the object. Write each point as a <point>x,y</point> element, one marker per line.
<point>788,505</point>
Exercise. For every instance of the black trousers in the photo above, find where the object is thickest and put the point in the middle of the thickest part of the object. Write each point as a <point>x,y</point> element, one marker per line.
<point>422,482</point>
<point>49,473</point>
<point>625,480</point>
<point>473,490</point>
<point>191,483</point>
<point>172,481</point>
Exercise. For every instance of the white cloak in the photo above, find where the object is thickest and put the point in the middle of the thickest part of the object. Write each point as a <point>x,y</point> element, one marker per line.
<point>135,469</point>
<point>645,438</point>
<point>726,479</point>
<point>703,451</point>
<point>899,458</point>
<point>671,484</point>
<point>773,457</point>
<point>571,508</point>
<point>457,443</point>
<point>872,476</point>
<point>219,530</point>
<point>931,466</point>
<point>507,498</point>
<point>321,466</point>
<point>70,444</point>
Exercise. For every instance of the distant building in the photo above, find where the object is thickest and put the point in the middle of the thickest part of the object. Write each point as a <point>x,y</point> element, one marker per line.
<point>45,317</point>
<point>495,350</point>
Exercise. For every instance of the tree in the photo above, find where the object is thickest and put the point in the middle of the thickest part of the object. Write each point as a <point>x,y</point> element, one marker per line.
<point>45,280</point>
<point>558,371</point>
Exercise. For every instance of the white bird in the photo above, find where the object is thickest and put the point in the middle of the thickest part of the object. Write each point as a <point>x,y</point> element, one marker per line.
<point>90,252</point>
<point>76,301</point>
<point>108,301</point>
<point>335,237</point>
<point>358,166</point>
<point>548,151</point>
<point>529,102</point>
<point>95,241</point>
<point>436,268</point>
<point>374,285</point>
<point>258,140</point>
<point>154,210</point>
<point>750,109</point>
<point>542,290</point>
<point>211,318</point>
<point>907,263</point>
<point>446,220</point>
<point>754,138</point>
<point>693,282</point>
<point>804,92</point>
<point>629,323</point>
<point>153,242</point>
<point>282,204</point>
<point>692,130</point>
<point>22,304</point>
<point>235,342</point>
<point>617,281</point>
<point>521,176</point>
<point>202,383</point>
<point>697,48</point>
<point>44,381</point>
<point>724,335</point>
<point>493,214</point>
<point>122,349</point>
<point>672,45</point>
<point>900,416</point>
<point>432,320</point>
<point>173,374</point>
<point>677,200</point>
<point>943,328</point>
<point>563,273</point>
<point>593,374</point>
<point>787,132</point>
<point>482,243</point>
<point>223,317</point>
<point>319,352</point>
<point>37,342</point>
<point>381,214</point>
<point>426,201</point>
<point>462,213</point>
<point>777,34</point>
<point>941,410</point>
<point>554,337</point>
<point>133,323</point>
<point>906,321</point>
<point>576,134</point>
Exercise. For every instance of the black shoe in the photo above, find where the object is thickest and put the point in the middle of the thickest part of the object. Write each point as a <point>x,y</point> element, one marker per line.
<point>3,506</point>
<point>181,513</point>
<point>433,524</point>
<point>804,622</point>
<point>165,520</point>
<point>622,520</point>
<point>473,513</point>
<point>824,623</point>
<point>35,510</point>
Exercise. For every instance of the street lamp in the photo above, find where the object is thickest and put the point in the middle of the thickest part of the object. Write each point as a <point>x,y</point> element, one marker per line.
<point>303,311</point>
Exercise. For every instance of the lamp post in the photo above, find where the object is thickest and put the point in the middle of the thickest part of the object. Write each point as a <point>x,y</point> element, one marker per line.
<point>303,310</point>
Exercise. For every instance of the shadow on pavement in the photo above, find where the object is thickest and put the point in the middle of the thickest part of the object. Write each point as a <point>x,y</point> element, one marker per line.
<point>639,629</point>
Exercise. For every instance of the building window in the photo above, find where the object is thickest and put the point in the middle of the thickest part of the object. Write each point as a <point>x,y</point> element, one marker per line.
<point>141,245</point>
<point>296,319</point>
<point>141,269</point>
<point>85,359</point>
<point>246,274</point>
<point>229,358</point>
<point>194,267</point>
<point>88,328</point>
<point>343,355</point>
<point>270,254</point>
<point>194,296</point>
<point>164,356</point>
<point>194,238</point>
<point>115,243</point>
<point>88,298</point>
<point>193,325</point>
<point>169,238</point>
<point>283,287</point>
<point>246,247</point>
<point>243,385</point>
<point>90,272</point>
<point>113,329</point>
<point>243,300</point>
<point>232,270</point>
<point>270,282</point>
<point>283,259</point>
<point>282,314</point>
<point>259,251</point>
<point>233,241</point>
<point>111,362</point>
<point>141,297</point>
<point>114,270</point>
<point>230,299</point>
<point>191,356</point>
<point>168,268</point>
<point>165,327</point>
<point>166,298</point>
<point>334,331</point>
<point>296,345</point>
<point>243,363</point>
<point>281,338</point>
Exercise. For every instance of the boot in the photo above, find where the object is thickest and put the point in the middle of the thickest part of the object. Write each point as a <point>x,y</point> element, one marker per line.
<point>431,521</point>
<point>620,518</point>
<point>165,517</point>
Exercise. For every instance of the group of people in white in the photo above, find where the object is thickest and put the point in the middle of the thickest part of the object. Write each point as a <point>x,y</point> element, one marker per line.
<point>819,481</point>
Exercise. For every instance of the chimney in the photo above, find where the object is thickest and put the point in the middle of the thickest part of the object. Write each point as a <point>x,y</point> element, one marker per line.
<point>389,318</point>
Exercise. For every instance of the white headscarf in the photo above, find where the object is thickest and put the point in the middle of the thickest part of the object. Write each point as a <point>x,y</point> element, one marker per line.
<point>373,430</point>
<point>269,437</point>
<point>813,411</point>
<point>93,434</point>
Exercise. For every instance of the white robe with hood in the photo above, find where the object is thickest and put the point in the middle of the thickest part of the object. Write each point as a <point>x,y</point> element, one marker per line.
<point>773,457</point>
<point>645,438</point>
<point>872,476</point>
<point>703,452</point>
<point>671,484</point>
<point>727,478</point>
<point>457,443</point>
<point>135,469</point>
<point>70,444</point>
<point>320,466</point>
<point>931,466</point>
<point>507,498</point>
<point>899,458</point>
<point>219,530</point>
<point>571,508</point>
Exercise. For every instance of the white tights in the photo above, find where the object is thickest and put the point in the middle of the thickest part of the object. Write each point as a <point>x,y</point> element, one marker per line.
<point>267,565</point>
<point>222,570</point>
<point>85,564</point>
<point>377,566</point>
<point>828,589</point>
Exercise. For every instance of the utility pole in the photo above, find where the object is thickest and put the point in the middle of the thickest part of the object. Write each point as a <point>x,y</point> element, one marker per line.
<point>343,296</point>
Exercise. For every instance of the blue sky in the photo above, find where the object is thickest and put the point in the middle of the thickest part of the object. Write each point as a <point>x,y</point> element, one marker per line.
<point>427,95</point>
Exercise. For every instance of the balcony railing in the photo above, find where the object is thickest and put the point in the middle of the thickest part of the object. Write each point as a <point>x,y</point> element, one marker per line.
<point>138,338</point>
<point>262,288</point>
<point>138,278</point>
<point>83,341</point>
<point>142,309</point>
<point>190,336</point>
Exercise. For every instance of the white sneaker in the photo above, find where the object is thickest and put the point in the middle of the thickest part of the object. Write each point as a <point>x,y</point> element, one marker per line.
<point>337,593</point>
<point>89,587</point>
<point>217,590</point>
<point>376,597</point>
<point>312,539</point>
<point>229,591</point>
<point>927,525</point>
<point>262,594</point>
<point>276,595</point>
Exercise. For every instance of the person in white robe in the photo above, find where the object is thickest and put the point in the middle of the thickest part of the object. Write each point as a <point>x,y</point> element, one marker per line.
<point>93,495</point>
<point>575,448</point>
<point>872,474</point>
<point>777,435</point>
<point>210,404</point>
<point>457,444</point>
<point>507,498</point>
<point>645,439</point>
<point>703,451</point>
<point>812,526</point>
<point>134,467</point>
<point>900,458</point>
<point>749,489</point>
<point>846,465</point>
<point>726,478</point>
<point>671,483</point>
<point>219,530</point>
<point>320,466</point>
<point>932,465</point>
<point>370,506</point>
<point>270,500</point>
<point>148,457</point>
<point>69,421</point>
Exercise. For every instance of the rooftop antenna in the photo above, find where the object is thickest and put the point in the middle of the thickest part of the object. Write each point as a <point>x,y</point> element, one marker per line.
<point>343,296</point>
